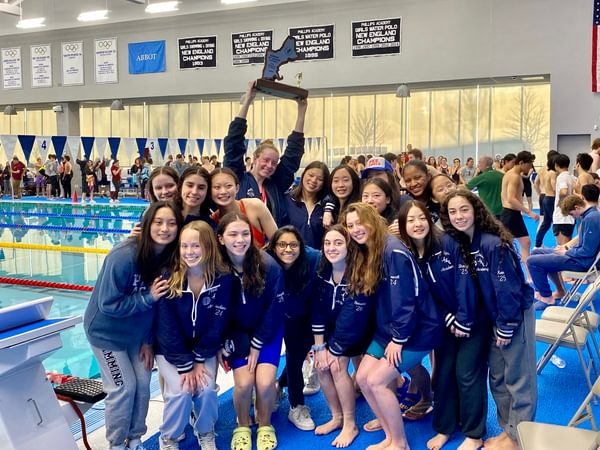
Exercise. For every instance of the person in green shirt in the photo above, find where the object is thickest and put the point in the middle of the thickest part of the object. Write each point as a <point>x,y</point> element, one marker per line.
<point>488,184</point>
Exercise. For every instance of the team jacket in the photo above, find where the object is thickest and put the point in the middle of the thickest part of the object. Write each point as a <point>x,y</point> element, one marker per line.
<point>261,317</point>
<point>276,185</point>
<point>120,312</point>
<point>501,281</point>
<point>450,283</point>
<point>190,329</point>
<point>298,305</point>
<point>339,315</point>
<point>589,239</point>
<point>310,227</point>
<point>406,313</point>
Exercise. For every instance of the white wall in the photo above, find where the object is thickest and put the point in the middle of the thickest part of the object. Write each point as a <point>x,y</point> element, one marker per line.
<point>441,40</point>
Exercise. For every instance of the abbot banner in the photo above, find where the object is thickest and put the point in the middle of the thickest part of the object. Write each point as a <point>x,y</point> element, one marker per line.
<point>146,57</point>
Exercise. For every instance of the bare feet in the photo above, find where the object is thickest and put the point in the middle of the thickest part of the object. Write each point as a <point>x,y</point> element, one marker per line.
<point>438,441</point>
<point>381,445</point>
<point>328,427</point>
<point>501,442</point>
<point>398,447</point>
<point>548,300</point>
<point>345,438</point>
<point>470,444</point>
<point>493,440</point>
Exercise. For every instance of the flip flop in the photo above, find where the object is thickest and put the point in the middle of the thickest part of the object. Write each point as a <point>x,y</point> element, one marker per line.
<point>372,426</point>
<point>418,411</point>
<point>409,401</point>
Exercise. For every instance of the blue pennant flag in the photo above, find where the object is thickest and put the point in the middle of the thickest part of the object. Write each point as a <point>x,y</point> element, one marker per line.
<point>246,143</point>
<point>113,143</point>
<point>162,145</point>
<point>88,144</point>
<point>218,145</point>
<point>146,57</point>
<point>141,145</point>
<point>257,141</point>
<point>182,145</point>
<point>59,145</point>
<point>200,143</point>
<point>26,141</point>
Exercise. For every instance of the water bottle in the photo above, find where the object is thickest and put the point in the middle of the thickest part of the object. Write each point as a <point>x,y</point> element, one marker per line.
<point>558,362</point>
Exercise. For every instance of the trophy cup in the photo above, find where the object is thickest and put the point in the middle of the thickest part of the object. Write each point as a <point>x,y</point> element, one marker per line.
<point>274,59</point>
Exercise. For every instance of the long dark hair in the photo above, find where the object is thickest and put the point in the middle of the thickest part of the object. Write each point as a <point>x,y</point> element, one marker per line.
<point>253,280</point>
<point>432,239</point>
<point>297,275</point>
<point>422,167</point>
<point>324,265</point>
<point>296,193</point>
<point>484,220</point>
<point>390,211</point>
<point>149,263</point>
<point>354,195</point>
<point>202,172</point>
<point>164,170</point>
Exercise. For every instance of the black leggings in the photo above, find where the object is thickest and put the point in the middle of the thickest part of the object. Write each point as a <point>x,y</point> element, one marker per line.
<point>298,339</point>
<point>548,207</point>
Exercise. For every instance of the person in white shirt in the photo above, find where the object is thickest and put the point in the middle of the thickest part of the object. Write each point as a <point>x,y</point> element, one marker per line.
<point>563,226</point>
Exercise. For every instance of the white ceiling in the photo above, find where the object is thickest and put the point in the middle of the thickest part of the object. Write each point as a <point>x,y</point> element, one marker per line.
<point>62,14</point>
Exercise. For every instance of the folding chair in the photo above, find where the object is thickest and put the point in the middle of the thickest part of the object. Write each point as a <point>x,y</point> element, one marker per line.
<point>580,277</point>
<point>588,318</point>
<point>542,436</point>
<point>568,334</point>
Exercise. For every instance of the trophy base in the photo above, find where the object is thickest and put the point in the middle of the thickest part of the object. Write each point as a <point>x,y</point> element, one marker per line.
<point>280,90</point>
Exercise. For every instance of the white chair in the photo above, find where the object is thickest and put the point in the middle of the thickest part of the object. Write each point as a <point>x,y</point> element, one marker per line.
<point>579,278</point>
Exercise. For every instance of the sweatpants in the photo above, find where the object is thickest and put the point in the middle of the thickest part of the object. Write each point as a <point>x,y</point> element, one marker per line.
<point>127,385</point>
<point>179,404</point>
<point>513,378</point>
<point>544,261</point>
<point>547,210</point>
<point>460,387</point>
<point>298,339</point>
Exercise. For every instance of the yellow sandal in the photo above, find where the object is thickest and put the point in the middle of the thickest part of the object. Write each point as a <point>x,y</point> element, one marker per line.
<point>266,439</point>
<point>241,439</point>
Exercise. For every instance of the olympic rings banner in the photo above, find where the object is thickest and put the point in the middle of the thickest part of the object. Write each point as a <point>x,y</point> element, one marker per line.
<point>11,68</point>
<point>72,63</point>
<point>105,61</point>
<point>41,66</point>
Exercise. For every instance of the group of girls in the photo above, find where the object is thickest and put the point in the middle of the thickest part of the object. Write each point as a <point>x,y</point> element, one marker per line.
<point>193,286</point>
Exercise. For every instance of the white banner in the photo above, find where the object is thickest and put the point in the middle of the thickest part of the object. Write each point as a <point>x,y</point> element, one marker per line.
<point>41,66</point>
<point>73,143</point>
<point>101,146</point>
<point>9,142</point>
<point>105,60</point>
<point>173,147</point>
<point>72,63</point>
<point>130,147</point>
<point>12,73</point>
<point>43,143</point>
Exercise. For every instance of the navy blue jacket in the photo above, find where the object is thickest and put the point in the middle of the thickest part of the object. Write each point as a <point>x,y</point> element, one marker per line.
<point>297,305</point>
<point>501,282</point>
<point>310,227</point>
<point>406,313</point>
<point>261,317</point>
<point>190,329</point>
<point>450,283</point>
<point>339,315</point>
<point>588,244</point>
<point>276,185</point>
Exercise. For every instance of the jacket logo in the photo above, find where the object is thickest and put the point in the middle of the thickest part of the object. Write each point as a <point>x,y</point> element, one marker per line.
<point>250,193</point>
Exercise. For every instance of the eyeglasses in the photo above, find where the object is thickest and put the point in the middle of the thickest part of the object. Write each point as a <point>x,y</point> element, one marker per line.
<point>281,245</point>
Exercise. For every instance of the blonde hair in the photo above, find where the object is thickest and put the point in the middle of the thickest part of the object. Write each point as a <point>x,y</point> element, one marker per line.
<point>366,261</point>
<point>211,258</point>
<point>267,143</point>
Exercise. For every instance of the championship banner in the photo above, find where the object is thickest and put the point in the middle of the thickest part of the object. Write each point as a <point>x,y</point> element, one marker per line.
<point>12,72</point>
<point>197,52</point>
<point>146,57</point>
<point>314,43</point>
<point>106,61</point>
<point>250,47</point>
<point>72,63</point>
<point>41,66</point>
<point>376,37</point>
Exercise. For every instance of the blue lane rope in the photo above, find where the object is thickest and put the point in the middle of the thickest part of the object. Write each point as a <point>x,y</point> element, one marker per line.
<point>75,216</point>
<point>59,228</point>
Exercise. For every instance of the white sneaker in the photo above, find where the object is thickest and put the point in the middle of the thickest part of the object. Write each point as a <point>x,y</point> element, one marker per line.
<point>207,441</point>
<point>168,444</point>
<point>311,380</point>
<point>300,417</point>
<point>135,444</point>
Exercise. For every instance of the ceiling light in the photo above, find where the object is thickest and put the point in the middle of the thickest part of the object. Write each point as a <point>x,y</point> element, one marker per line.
<point>91,16</point>
<point>161,7</point>
<point>234,2</point>
<point>31,23</point>
<point>10,110</point>
<point>117,105</point>
<point>403,91</point>
<point>139,2</point>
<point>533,78</point>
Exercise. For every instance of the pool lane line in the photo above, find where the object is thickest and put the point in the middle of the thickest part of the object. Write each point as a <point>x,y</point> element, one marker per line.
<point>60,228</point>
<point>76,216</point>
<point>46,284</point>
<point>56,248</point>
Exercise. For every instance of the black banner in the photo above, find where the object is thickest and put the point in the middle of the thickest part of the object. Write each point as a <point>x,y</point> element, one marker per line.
<point>197,52</point>
<point>376,37</point>
<point>313,43</point>
<point>250,47</point>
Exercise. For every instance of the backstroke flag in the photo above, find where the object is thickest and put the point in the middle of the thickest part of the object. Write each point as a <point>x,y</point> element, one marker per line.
<point>595,47</point>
